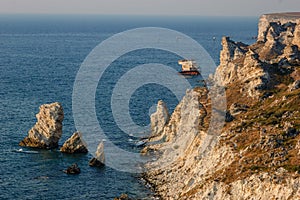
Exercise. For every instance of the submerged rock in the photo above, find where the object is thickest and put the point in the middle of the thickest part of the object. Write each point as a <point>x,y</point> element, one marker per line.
<point>73,169</point>
<point>75,144</point>
<point>99,159</point>
<point>48,129</point>
<point>123,197</point>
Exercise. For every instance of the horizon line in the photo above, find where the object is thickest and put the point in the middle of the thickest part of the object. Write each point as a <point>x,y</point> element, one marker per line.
<point>128,15</point>
<point>136,14</point>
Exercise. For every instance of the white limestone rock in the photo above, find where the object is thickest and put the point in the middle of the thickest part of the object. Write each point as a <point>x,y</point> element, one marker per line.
<point>99,159</point>
<point>48,129</point>
<point>75,144</point>
<point>159,119</point>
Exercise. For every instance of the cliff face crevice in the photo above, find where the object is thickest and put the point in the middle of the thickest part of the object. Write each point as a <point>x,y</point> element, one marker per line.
<point>256,155</point>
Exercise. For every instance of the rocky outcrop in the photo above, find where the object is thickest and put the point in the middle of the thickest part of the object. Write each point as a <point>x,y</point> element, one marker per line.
<point>123,197</point>
<point>75,144</point>
<point>256,154</point>
<point>179,146</point>
<point>159,119</point>
<point>267,19</point>
<point>227,71</point>
<point>238,63</point>
<point>296,39</point>
<point>99,159</point>
<point>186,118</point>
<point>73,169</point>
<point>254,66</point>
<point>233,168</point>
<point>48,129</point>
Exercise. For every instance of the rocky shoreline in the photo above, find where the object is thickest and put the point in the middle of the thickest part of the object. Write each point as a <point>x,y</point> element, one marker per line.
<point>256,155</point>
<point>47,131</point>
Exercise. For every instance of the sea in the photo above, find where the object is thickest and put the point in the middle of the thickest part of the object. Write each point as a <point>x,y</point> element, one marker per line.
<point>40,57</point>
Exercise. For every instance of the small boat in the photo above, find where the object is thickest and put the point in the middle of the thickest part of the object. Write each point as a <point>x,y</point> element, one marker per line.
<point>188,67</point>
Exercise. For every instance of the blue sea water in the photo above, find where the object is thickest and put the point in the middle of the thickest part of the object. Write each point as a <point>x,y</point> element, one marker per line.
<point>40,56</point>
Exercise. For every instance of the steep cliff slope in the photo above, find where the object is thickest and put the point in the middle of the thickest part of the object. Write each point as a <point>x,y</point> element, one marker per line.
<point>256,155</point>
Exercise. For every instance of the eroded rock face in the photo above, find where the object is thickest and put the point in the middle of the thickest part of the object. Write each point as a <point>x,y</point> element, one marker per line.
<point>48,129</point>
<point>255,155</point>
<point>99,159</point>
<point>253,66</point>
<point>265,20</point>
<point>227,71</point>
<point>296,39</point>
<point>180,165</point>
<point>258,186</point>
<point>159,119</point>
<point>75,144</point>
<point>244,67</point>
<point>231,50</point>
<point>196,175</point>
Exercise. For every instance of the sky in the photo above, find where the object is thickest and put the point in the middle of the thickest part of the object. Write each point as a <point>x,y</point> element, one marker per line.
<point>150,7</point>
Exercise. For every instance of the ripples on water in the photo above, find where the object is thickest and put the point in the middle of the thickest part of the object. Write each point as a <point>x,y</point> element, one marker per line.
<point>39,59</point>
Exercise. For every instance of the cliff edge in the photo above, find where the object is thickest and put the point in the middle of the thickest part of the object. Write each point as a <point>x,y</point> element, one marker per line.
<point>257,153</point>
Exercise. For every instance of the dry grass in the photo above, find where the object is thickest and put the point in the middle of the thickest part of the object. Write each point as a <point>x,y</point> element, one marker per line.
<point>270,116</point>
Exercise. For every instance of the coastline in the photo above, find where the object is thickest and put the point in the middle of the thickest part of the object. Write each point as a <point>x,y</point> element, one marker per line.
<point>255,149</point>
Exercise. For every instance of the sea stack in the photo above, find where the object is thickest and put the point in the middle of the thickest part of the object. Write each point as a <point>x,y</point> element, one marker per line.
<point>75,144</point>
<point>48,129</point>
<point>159,119</point>
<point>99,159</point>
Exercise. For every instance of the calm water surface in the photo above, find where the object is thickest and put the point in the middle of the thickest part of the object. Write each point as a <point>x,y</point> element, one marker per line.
<point>39,59</point>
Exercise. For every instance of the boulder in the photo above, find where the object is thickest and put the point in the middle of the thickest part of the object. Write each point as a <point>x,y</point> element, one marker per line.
<point>159,119</point>
<point>73,169</point>
<point>75,144</point>
<point>99,159</point>
<point>122,197</point>
<point>48,129</point>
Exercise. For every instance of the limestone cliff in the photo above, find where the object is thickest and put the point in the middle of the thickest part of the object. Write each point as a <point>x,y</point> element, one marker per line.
<point>256,154</point>
<point>254,66</point>
<point>266,20</point>
<point>48,129</point>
